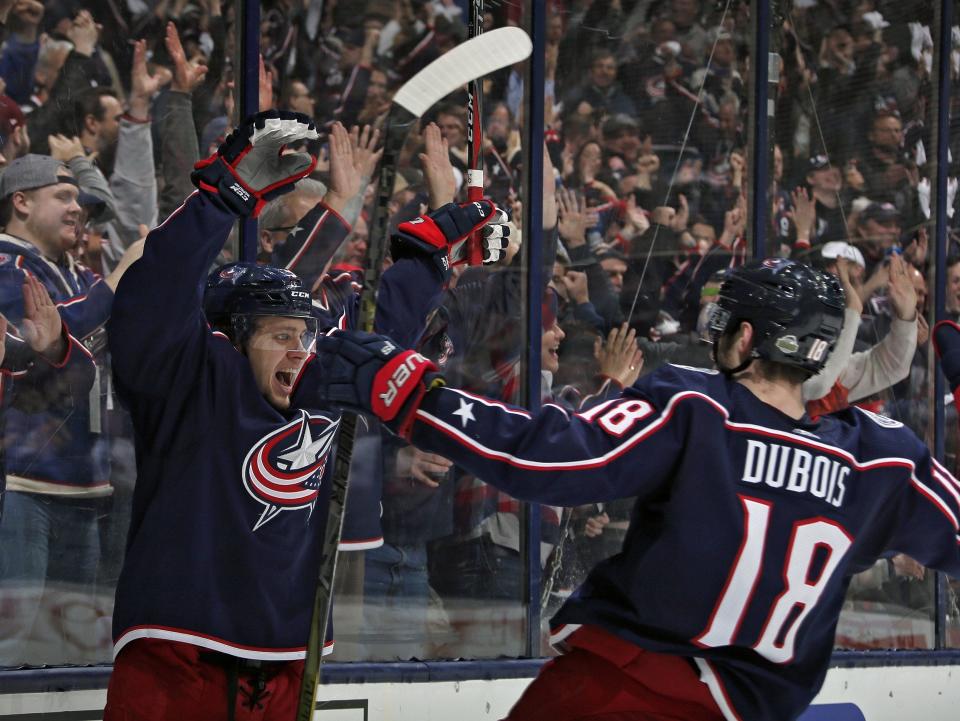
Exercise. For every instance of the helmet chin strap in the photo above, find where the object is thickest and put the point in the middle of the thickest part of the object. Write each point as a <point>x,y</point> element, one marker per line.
<point>730,372</point>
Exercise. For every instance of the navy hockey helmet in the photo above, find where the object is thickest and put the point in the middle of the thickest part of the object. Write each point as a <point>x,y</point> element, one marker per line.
<point>796,311</point>
<point>238,292</point>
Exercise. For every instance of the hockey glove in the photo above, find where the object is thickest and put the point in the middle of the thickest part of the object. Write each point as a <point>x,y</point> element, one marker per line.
<point>249,168</point>
<point>369,373</point>
<point>443,234</point>
<point>946,342</point>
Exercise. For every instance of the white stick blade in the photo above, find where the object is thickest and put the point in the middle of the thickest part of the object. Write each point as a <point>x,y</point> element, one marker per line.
<point>468,61</point>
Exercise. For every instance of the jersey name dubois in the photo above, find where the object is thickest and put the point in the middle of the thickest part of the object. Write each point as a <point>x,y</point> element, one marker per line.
<point>794,469</point>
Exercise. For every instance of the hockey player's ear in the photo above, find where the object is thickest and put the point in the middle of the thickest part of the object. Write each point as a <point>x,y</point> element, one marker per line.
<point>266,241</point>
<point>739,341</point>
<point>743,339</point>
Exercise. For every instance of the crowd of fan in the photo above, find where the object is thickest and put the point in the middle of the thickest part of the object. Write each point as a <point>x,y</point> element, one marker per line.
<point>645,206</point>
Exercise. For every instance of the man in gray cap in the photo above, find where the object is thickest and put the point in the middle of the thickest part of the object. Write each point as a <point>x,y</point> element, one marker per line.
<point>56,480</point>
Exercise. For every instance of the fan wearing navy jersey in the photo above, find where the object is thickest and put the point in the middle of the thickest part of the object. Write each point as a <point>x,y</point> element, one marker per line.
<point>213,603</point>
<point>750,516</point>
<point>41,364</point>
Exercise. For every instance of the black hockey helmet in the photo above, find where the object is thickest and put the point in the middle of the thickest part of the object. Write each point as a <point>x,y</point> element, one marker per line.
<point>238,292</point>
<point>796,311</point>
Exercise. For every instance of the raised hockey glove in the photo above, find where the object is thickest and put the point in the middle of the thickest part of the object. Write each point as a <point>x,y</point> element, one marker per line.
<point>249,168</point>
<point>443,234</point>
<point>946,342</point>
<point>369,373</point>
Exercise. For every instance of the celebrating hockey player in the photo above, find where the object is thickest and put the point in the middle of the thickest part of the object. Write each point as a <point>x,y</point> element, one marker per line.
<point>214,601</point>
<point>750,517</point>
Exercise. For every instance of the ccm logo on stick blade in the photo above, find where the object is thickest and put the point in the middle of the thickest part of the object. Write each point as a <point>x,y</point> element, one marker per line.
<point>396,380</point>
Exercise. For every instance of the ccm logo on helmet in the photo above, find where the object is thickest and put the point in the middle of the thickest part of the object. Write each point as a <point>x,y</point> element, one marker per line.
<point>299,294</point>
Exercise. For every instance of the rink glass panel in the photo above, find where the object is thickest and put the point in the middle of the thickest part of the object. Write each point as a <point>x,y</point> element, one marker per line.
<point>668,138</point>
<point>854,109</point>
<point>448,580</point>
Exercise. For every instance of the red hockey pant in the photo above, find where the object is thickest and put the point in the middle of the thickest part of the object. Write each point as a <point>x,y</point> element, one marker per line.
<point>156,680</point>
<point>603,678</point>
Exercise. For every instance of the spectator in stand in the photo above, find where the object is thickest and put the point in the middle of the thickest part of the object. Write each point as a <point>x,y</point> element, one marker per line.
<point>721,143</point>
<point>21,48</point>
<point>296,96</point>
<point>852,377</point>
<point>826,185</point>
<point>354,96</point>
<point>590,28</point>
<point>376,104</point>
<point>628,162</point>
<point>333,87</point>
<point>721,76</point>
<point>501,155</point>
<point>600,92</point>
<point>889,174</point>
<point>83,68</point>
<point>352,255</point>
<point>587,167</point>
<point>614,264</point>
<point>95,120</point>
<point>583,284</point>
<point>688,31</point>
<point>642,72</point>
<point>953,288</point>
<point>452,121</point>
<point>41,364</point>
<point>280,217</point>
<point>843,81</point>
<point>14,140</point>
<point>877,232</point>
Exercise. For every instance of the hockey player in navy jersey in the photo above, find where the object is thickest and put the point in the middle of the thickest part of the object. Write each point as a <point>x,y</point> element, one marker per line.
<point>750,517</point>
<point>214,600</point>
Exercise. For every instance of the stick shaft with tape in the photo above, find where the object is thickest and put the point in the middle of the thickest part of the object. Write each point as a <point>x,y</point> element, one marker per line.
<point>475,134</point>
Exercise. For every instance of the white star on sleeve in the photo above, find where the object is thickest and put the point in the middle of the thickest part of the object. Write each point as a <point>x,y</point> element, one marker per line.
<point>465,411</point>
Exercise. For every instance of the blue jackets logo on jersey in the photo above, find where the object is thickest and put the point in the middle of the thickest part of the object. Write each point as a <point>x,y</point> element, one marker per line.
<point>283,471</point>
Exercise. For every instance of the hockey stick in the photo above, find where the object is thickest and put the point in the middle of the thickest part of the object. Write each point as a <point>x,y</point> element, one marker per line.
<point>475,135</point>
<point>467,61</point>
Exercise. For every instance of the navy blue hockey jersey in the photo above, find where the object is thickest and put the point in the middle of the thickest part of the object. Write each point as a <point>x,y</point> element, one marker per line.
<point>227,519</point>
<point>748,524</point>
<point>210,446</point>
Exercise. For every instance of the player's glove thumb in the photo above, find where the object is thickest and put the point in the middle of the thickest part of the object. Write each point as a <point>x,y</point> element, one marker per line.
<point>369,373</point>
<point>946,343</point>
<point>442,234</point>
<point>250,167</point>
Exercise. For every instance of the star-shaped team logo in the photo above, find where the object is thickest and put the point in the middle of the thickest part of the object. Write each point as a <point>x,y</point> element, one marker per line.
<point>465,411</point>
<point>306,451</point>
